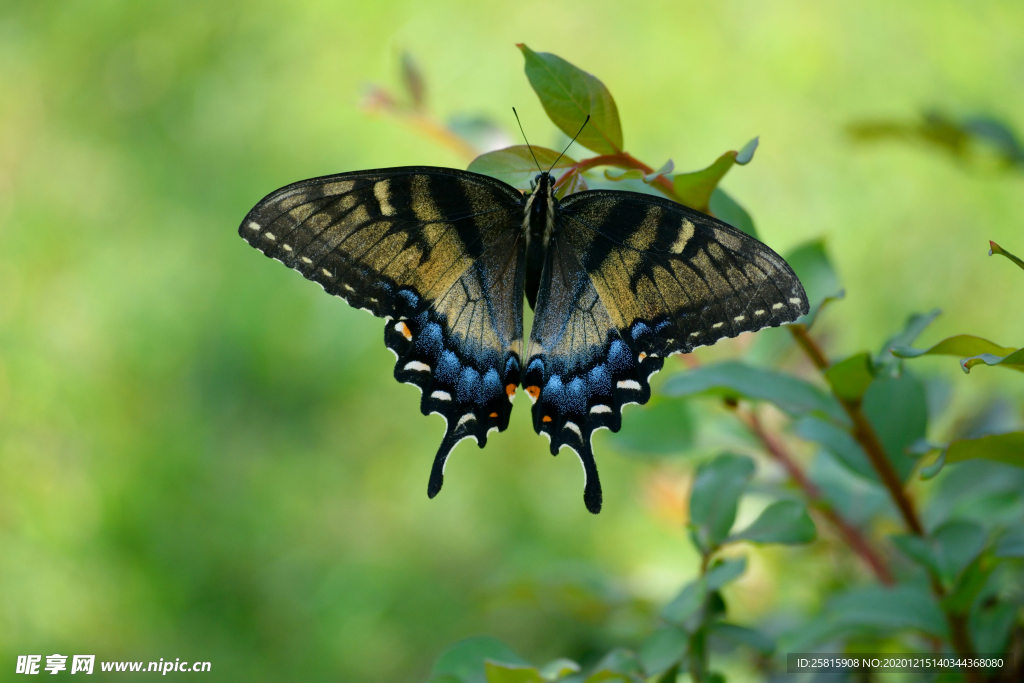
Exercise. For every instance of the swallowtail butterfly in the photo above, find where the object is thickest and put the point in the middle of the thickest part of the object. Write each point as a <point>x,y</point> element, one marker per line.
<point>618,281</point>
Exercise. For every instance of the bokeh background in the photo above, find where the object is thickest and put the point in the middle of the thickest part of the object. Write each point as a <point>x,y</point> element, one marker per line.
<point>203,456</point>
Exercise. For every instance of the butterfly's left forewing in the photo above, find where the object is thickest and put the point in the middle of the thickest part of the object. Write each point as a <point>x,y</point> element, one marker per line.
<point>630,279</point>
<point>435,252</point>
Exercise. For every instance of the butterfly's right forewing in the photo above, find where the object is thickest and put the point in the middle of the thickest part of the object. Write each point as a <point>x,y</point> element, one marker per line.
<point>436,252</point>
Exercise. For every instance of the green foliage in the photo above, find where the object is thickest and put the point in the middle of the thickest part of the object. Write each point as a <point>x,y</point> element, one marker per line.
<point>851,378</point>
<point>784,521</point>
<point>897,408</point>
<point>569,95</point>
<point>996,249</point>
<point>468,661</point>
<point>516,166</point>
<point>736,380</point>
<point>664,427</point>
<point>725,208</point>
<point>867,415</point>
<point>201,455</point>
<point>714,498</point>
<point>695,189</point>
<point>872,611</point>
<point>966,139</point>
<point>976,349</point>
<point>1008,448</point>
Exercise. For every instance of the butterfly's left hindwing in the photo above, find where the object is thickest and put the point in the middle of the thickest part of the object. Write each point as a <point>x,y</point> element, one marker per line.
<point>630,279</point>
<point>436,252</point>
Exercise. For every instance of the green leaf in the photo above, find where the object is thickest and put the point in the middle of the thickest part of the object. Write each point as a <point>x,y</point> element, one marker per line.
<point>723,572</point>
<point>573,184</point>
<point>741,635</point>
<point>618,665</point>
<point>609,677</point>
<point>746,153</point>
<point>1008,448</point>
<point>887,610</point>
<point>445,678</point>
<point>898,410</point>
<point>784,521</point>
<point>947,550</point>
<point>917,549</point>
<point>1011,543</point>
<point>559,668</point>
<point>568,94</point>
<point>838,442</point>
<point>465,659</point>
<point>978,349</point>
<point>812,265</point>
<point>1014,361</point>
<point>855,498</point>
<point>515,165</point>
<point>623,174</point>
<point>851,377</point>
<point>695,189</point>
<point>996,249</point>
<point>663,649</point>
<point>715,496</point>
<point>737,380</point>
<point>957,543</point>
<point>687,604</point>
<point>511,673</point>
<point>663,426</point>
<point>725,208</point>
<point>968,586</point>
<point>959,345</point>
<point>665,169</point>
<point>885,362</point>
<point>929,471</point>
<point>991,626</point>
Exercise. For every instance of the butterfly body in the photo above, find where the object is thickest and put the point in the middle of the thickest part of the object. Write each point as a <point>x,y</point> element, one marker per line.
<point>617,281</point>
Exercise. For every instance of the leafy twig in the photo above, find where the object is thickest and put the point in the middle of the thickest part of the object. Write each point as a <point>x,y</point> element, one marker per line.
<point>865,434</point>
<point>777,449</point>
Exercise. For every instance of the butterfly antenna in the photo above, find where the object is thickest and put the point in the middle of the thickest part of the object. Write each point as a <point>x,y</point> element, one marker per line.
<point>570,142</point>
<point>527,141</point>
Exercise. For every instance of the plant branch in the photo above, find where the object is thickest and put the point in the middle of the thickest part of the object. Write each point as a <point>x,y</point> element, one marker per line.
<point>620,160</point>
<point>777,449</point>
<point>865,435</point>
<point>380,101</point>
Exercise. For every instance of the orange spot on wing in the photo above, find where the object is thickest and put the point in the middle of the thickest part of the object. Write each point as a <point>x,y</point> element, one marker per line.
<point>546,418</point>
<point>534,392</point>
<point>494,415</point>
<point>510,389</point>
<point>642,356</point>
<point>404,329</point>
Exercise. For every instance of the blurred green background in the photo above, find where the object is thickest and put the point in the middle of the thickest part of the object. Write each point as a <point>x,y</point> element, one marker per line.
<point>203,456</point>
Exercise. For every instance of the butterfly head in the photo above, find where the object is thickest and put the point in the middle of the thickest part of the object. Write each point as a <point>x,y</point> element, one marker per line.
<point>542,183</point>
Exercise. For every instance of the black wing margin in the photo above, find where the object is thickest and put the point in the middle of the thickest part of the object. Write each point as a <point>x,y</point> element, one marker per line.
<point>436,253</point>
<point>631,279</point>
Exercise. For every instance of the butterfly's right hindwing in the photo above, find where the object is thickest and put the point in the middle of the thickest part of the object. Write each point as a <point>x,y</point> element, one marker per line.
<point>437,253</point>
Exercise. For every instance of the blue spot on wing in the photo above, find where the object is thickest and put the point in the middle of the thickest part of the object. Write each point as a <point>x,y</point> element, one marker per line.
<point>574,398</point>
<point>468,389</point>
<point>619,357</point>
<point>491,385</point>
<point>600,380</point>
<point>430,340</point>
<point>448,367</point>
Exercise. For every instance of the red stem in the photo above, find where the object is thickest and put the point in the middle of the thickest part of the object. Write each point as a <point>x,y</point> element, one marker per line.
<point>853,537</point>
<point>620,160</point>
<point>864,433</point>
